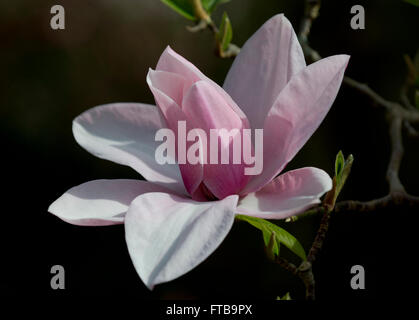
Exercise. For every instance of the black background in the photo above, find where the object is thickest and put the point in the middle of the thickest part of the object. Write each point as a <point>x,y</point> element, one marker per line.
<point>49,77</point>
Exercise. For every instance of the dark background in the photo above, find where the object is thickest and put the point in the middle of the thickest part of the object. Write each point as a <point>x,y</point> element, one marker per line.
<point>49,77</point>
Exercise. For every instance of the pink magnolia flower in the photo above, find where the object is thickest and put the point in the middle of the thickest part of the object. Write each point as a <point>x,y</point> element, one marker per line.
<point>180,215</point>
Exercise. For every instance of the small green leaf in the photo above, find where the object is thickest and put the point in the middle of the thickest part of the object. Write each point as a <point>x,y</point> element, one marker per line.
<point>342,170</point>
<point>414,2</point>
<point>339,163</point>
<point>417,98</point>
<point>344,173</point>
<point>281,236</point>
<point>225,34</point>
<point>183,7</point>
<point>286,296</point>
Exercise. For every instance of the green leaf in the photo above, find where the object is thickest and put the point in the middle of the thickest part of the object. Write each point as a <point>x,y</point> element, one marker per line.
<point>186,8</point>
<point>414,2</point>
<point>183,7</point>
<point>281,236</point>
<point>342,170</point>
<point>417,98</point>
<point>225,34</point>
<point>286,296</point>
<point>339,164</point>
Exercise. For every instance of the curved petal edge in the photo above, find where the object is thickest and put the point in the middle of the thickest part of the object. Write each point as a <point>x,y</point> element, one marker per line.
<point>168,235</point>
<point>287,195</point>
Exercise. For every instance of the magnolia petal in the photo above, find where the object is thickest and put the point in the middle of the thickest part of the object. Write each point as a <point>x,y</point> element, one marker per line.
<point>172,84</point>
<point>192,174</point>
<point>167,235</point>
<point>207,110</point>
<point>172,62</point>
<point>297,113</point>
<point>125,133</point>
<point>264,66</point>
<point>289,194</point>
<point>100,202</point>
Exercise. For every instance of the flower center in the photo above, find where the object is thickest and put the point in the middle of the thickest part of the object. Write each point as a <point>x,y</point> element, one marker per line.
<point>207,193</point>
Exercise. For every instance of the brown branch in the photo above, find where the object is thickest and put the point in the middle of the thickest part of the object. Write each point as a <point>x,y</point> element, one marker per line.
<point>365,89</point>
<point>396,113</point>
<point>304,272</point>
<point>411,116</point>
<point>397,116</point>
<point>311,12</point>
<point>411,131</point>
<point>405,99</point>
<point>286,265</point>
<point>408,83</point>
<point>397,150</point>
<point>399,199</point>
<point>320,236</point>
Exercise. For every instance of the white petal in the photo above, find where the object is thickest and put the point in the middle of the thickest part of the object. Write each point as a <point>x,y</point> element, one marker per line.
<point>296,114</point>
<point>264,66</point>
<point>167,235</point>
<point>100,202</point>
<point>289,194</point>
<point>125,133</point>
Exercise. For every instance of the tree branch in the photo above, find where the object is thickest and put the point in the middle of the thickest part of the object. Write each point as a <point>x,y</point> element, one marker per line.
<point>320,236</point>
<point>304,272</point>
<point>204,22</point>
<point>396,115</point>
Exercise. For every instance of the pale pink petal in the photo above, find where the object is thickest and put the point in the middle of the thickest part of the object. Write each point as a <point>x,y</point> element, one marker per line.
<point>207,109</point>
<point>289,194</point>
<point>124,133</point>
<point>172,62</point>
<point>264,66</point>
<point>297,113</point>
<point>192,174</point>
<point>167,235</point>
<point>100,202</point>
<point>171,84</point>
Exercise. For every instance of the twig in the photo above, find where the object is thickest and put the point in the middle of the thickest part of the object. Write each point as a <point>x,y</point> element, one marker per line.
<point>286,265</point>
<point>320,236</point>
<point>408,83</point>
<point>404,98</point>
<point>400,199</point>
<point>304,272</point>
<point>311,12</point>
<point>411,131</point>
<point>397,115</point>
<point>204,22</point>
<point>397,151</point>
